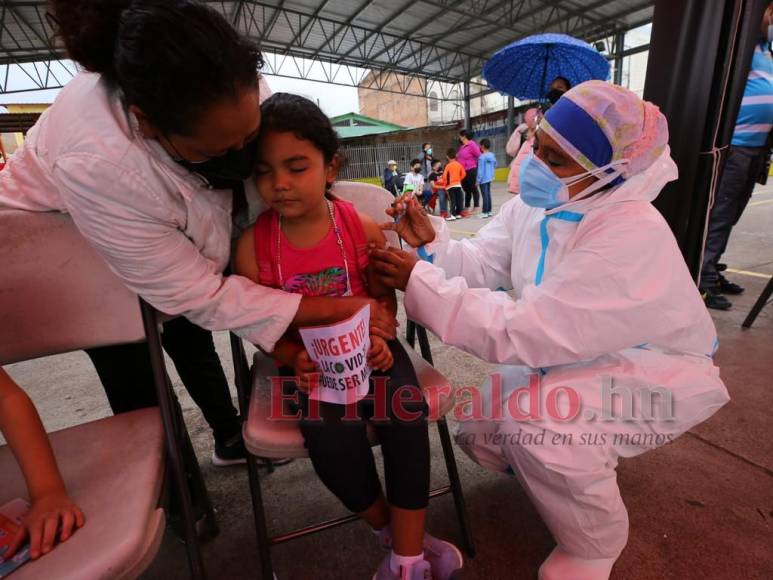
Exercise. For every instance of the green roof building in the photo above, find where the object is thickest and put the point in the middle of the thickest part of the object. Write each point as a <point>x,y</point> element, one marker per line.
<point>355,125</point>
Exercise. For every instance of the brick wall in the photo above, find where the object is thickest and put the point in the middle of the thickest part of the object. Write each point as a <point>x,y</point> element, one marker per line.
<point>401,110</point>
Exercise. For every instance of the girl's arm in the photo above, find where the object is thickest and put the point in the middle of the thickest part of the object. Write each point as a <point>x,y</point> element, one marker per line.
<point>286,351</point>
<point>376,289</point>
<point>379,356</point>
<point>314,310</point>
<point>52,510</point>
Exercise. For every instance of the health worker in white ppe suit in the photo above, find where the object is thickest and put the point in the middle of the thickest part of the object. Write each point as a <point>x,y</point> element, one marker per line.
<point>606,331</point>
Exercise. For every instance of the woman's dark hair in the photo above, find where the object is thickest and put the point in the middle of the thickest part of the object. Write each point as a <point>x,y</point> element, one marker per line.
<point>465,133</point>
<point>485,143</point>
<point>173,59</point>
<point>287,113</point>
<point>566,81</point>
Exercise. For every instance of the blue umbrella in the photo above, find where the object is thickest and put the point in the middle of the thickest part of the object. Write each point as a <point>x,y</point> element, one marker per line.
<point>525,68</point>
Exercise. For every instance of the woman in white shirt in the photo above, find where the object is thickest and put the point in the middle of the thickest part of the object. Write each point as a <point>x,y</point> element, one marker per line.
<point>144,149</point>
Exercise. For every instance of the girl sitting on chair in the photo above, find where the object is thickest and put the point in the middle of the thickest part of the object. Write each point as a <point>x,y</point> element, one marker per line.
<point>312,243</point>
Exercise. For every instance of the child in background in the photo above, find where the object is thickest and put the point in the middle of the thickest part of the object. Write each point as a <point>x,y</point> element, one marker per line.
<point>435,179</point>
<point>487,163</point>
<point>393,183</point>
<point>414,178</point>
<point>453,175</point>
<point>53,513</point>
<point>312,243</point>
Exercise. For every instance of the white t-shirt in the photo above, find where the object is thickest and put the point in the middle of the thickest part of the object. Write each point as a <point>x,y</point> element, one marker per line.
<point>415,179</point>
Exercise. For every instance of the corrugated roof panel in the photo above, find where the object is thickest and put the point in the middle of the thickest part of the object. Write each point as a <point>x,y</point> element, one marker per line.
<point>473,28</point>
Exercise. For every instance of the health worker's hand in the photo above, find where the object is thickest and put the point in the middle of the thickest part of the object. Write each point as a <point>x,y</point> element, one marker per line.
<point>392,267</point>
<point>413,224</point>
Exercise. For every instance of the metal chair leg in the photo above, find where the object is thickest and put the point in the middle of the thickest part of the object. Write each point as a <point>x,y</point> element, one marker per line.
<point>244,391</point>
<point>426,352</point>
<point>259,517</point>
<point>199,493</point>
<point>410,333</point>
<point>448,454</point>
<point>241,374</point>
<point>456,487</point>
<point>174,444</point>
<point>759,305</point>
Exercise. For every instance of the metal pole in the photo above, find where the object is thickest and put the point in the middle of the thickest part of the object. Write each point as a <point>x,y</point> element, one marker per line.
<point>467,124</point>
<point>510,119</point>
<point>619,43</point>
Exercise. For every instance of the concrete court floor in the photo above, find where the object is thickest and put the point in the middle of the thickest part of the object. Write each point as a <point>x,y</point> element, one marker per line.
<point>701,507</point>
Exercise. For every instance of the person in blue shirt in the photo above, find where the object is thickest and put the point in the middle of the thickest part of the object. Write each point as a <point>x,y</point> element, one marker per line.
<point>746,161</point>
<point>487,163</point>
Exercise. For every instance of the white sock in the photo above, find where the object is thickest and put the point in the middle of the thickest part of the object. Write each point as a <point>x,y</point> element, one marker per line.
<point>396,561</point>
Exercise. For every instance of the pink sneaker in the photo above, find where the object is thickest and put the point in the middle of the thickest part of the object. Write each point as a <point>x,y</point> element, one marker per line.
<point>445,559</point>
<point>419,571</point>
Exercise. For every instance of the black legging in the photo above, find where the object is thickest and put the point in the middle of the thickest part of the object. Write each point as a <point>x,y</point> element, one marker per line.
<point>342,456</point>
<point>127,377</point>
<point>455,200</point>
<point>470,186</point>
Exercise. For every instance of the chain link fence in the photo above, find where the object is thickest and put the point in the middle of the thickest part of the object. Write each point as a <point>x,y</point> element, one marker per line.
<point>369,161</point>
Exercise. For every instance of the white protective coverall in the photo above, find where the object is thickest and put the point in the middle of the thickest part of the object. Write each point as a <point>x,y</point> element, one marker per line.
<point>614,305</point>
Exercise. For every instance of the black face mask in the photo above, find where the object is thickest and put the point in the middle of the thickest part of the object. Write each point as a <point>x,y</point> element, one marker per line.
<point>554,94</point>
<point>229,170</point>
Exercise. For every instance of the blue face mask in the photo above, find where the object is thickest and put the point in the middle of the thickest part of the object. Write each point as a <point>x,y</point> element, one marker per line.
<point>539,186</point>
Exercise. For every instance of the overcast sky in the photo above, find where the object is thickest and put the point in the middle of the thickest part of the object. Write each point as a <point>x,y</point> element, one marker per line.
<point>333,99</point>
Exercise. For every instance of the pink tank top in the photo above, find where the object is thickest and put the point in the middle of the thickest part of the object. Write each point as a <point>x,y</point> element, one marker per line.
<point>318,270</point>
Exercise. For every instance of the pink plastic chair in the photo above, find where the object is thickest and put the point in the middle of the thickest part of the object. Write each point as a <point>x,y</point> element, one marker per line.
<point>57,295</point>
